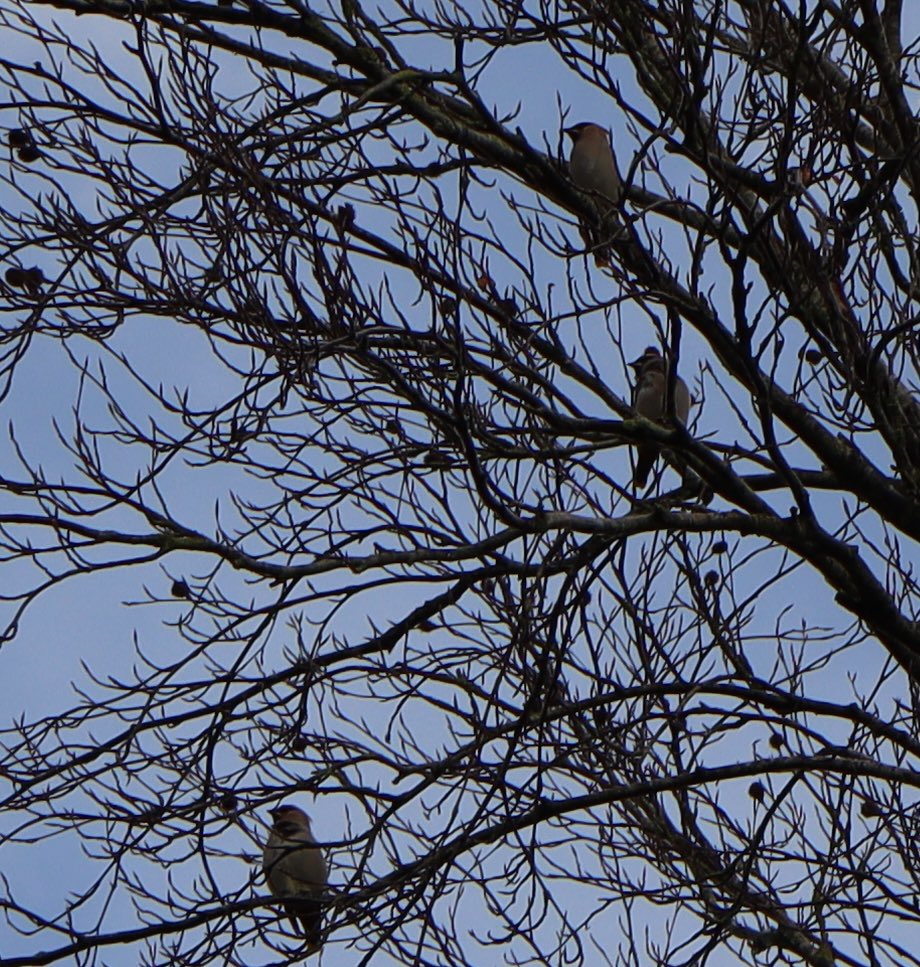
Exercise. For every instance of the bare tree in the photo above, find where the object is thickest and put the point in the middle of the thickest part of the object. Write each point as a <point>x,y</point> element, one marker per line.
<point>351,409</point>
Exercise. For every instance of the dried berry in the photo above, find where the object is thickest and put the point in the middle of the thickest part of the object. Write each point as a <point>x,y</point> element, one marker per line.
<point>15,277</point>
<point>33,279</point>
<point>870,809</point>
<point>28,154</point>
<point>345,216</point>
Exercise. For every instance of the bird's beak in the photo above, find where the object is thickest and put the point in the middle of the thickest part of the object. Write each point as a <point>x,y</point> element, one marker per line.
<point>637,364</point>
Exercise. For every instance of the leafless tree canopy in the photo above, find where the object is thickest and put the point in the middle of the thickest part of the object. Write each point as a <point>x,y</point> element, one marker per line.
<point>315,370</point>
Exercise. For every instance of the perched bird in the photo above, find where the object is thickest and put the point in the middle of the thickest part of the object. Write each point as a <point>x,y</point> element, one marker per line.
<point>295,869</point>
<point>650,400</point>
<point>592,164</point>
<point>593,168</point>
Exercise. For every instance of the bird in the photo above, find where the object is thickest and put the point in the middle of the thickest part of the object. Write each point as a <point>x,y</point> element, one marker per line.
<point>650,400</point>
<point>593,168</point>
<point>592,164</point>
<point>295,870</point>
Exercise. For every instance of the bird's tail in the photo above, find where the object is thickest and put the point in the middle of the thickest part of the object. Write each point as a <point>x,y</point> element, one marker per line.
<point>307,917</point>
<point>645,460</point>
